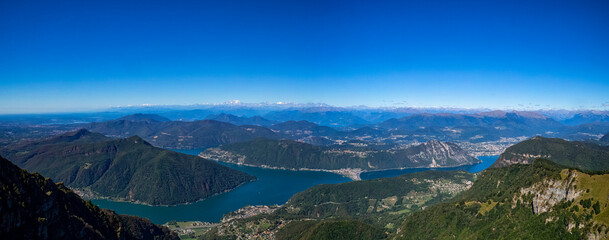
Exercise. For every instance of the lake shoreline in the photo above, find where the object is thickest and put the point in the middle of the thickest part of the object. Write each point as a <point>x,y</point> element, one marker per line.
<point>85,194</point>
<point>351,173</point>
<point>272,187</point>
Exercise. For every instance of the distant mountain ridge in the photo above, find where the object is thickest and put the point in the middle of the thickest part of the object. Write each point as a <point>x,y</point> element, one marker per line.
<point>144,117</point>
<point>325,117</point>
<point>319,113</point>
<point>229,118</point>
<point>323,125</point>
<point>522,121</point>
<point>129,169</point>
<point>303,127</point>
<point>34,207</point>
<point>587,117</point>
<point>181,135</point>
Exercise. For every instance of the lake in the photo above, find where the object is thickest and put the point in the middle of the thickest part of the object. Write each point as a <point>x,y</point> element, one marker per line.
<point>487,161</point>
<point>273,186</point>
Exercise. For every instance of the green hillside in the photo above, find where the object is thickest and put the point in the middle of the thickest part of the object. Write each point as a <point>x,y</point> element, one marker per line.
<point>178,134</point>
<point>126,169</point>
<point>330,230</point>
<point>293,154</point>
<point>353,210</point>
<point>586,156</point>
<point>541,200</point>
<point>394,195</point>
<point>34,207</point>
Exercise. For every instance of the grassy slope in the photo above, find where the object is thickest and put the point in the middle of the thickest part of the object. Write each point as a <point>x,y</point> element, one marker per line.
<point>471,216</point>
<point>586,156</point>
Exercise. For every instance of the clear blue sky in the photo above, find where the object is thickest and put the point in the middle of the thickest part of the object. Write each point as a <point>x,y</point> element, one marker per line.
<point>83,55</point>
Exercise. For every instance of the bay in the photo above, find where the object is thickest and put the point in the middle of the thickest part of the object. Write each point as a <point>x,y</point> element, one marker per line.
<point>274,186</point>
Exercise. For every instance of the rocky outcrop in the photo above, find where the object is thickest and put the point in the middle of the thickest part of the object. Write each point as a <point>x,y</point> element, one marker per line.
<point>548,193</point>
<point>441,154</point>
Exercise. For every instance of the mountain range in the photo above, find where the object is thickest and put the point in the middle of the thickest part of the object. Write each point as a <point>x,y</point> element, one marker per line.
<point>326,118</point>
<point>318,113</point>
<point>180,135</point>
<point>323,125</point>
<point>229,118</point>
<point>537,200</point>
<point>295,155</point>
<point>546,188</point>
<point>127,169</point>
<point>477,127</point>
<point>34,207</point>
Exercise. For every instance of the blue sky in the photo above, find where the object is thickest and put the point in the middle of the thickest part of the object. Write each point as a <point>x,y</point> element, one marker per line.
<point>84,55</point>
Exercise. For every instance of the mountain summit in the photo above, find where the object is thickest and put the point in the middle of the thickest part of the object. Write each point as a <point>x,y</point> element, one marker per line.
<point>129,169</point>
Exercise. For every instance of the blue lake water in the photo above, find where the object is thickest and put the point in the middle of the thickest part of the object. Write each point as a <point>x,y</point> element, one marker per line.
<point>487,161</point>
<point>272,187</point>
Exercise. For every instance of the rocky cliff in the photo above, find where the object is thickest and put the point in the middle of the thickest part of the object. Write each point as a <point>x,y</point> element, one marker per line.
<point>440,154</point>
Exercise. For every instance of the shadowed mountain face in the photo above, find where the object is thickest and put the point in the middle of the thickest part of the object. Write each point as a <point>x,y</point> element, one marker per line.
<point>605,139</point>
<point>587,156</point>
<point>33,207</point>
<point>292,154</point>
<point>181,135</point>
<point>129,169</point>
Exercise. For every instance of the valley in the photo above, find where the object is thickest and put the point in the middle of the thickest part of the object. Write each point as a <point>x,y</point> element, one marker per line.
<point>304,120</point>
<point>369,179</point>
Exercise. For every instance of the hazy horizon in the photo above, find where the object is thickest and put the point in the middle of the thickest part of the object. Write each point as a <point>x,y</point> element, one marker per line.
<point>83,56</point>
<point>278,106</point>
